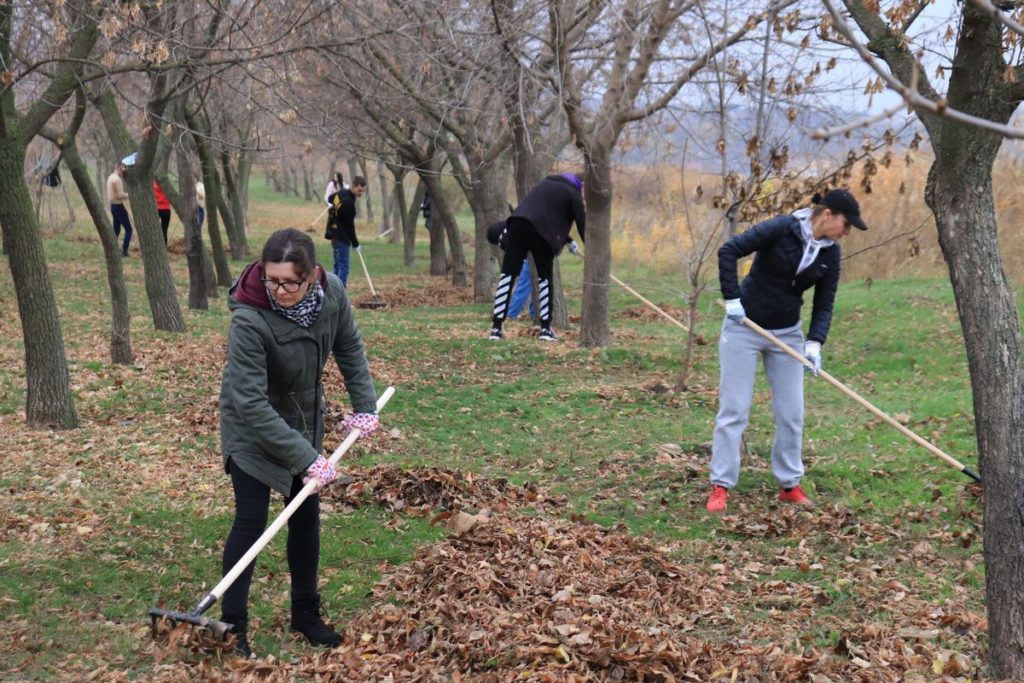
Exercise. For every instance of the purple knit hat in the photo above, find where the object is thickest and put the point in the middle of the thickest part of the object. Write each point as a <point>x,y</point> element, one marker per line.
<point>574,179</point>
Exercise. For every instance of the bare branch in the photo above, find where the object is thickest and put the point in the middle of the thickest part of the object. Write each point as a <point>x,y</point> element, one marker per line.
<point>911,96</point>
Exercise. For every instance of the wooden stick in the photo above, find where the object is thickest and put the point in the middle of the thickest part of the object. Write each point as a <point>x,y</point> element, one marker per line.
<point>637,294</point>
<point>317,219</point>
<point>934,450</point>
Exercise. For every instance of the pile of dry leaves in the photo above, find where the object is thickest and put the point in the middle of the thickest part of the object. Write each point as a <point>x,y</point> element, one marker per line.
<point>427,491</point>
<point>518,598</point>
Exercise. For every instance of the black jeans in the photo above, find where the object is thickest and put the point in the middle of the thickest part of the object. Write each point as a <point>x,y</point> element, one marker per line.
<point>119,217</point>
<point>252,503</point>
<point>165,221</point>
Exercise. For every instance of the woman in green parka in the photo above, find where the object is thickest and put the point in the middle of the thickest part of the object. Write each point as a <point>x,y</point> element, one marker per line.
<point>287,315</point>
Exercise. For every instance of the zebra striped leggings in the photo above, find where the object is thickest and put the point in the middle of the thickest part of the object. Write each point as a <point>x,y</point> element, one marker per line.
<point>523,239</point>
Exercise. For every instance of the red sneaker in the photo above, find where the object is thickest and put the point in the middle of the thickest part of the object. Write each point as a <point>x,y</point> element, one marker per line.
<point>718,500</point>
<point>796,496</point>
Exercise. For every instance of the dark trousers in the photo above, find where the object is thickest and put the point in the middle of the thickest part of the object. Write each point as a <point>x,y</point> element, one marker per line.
<point>165,221</point>
<point>524,239</point>
<point>252,503</point>
<point>119,214</point>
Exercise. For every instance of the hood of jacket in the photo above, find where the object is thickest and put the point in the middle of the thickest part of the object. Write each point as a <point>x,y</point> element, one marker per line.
<point>249,289</point>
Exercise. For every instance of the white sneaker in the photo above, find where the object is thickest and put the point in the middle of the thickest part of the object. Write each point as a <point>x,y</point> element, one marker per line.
<point>547,335</point>
<point>495,333</point>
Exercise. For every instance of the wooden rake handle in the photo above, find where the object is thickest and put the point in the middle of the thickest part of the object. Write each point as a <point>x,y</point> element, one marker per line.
<point>218,591</point>
<point>931,448</point>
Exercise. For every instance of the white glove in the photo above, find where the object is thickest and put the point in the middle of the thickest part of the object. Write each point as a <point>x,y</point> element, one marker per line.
<point>322,471</point>
<point>734,310</point>
<point>359,249</point>
<point>574,248</point>
<point>812,352</point>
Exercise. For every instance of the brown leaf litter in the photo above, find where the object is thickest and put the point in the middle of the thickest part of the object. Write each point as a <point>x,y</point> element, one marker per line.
<point>518,598</point>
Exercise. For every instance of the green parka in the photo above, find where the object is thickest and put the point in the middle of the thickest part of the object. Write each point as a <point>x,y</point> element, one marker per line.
<point>271,398</point>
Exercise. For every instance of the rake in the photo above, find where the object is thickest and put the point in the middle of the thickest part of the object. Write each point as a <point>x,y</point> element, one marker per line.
<point>219,629</point>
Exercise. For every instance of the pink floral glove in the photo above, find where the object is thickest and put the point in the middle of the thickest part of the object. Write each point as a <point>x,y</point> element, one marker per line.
<point>366,423</point>
<point>322,470</point>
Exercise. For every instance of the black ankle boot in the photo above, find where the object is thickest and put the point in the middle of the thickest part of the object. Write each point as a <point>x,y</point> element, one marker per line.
<point>307,619</point>
<point>239,628</point>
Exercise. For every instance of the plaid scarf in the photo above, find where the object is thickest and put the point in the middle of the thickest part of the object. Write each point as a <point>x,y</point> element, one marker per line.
<point>305,312</point>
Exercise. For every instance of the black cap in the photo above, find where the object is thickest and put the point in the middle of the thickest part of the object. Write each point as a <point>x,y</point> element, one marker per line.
<point>845,203</point>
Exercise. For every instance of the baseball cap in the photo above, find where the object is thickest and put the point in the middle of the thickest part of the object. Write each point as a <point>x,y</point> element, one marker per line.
<point>845,203</point>
<point>130,159</point>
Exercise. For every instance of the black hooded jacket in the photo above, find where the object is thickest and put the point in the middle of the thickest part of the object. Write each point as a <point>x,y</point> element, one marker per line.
<point>772,293</point>
<point>551,207</point>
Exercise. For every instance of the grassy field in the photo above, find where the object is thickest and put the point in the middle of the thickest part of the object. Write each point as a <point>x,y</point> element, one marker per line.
<point>882,581</point>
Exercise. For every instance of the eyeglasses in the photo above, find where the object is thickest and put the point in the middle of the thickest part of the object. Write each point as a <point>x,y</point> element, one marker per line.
<point>289,286</point>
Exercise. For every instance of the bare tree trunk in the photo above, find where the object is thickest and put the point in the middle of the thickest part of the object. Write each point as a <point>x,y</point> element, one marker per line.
<point>307,190</point>
<point>163,298</point>
<point>367,197</point>
<point>387,200</point>
<point>231,207</point>
<point>49,400</point>
<point>961,199</point>
<point>211,182</point>
<point>409,221</point>
<point>594,329</point>
<point>120,327</point>
<point>489,205</point>
<point>197,284</point>
<point>959,193</point>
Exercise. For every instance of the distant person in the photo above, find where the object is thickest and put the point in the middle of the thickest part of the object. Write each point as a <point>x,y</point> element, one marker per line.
<point>427,208</point>
<point>163,208</point>
<point>116,197</point>
<point>539,226</point>
<point>792,253</point>
<point>288,317</point>
<point>522,292</point>
<point>335,184</point>
<point>200,203</point>
<point>341,225</point>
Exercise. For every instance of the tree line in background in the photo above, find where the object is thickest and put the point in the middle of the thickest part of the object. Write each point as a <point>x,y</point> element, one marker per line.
<point>495,95</point>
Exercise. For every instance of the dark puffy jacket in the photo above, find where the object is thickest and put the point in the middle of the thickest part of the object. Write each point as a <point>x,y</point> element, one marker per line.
<point>551,207</point>
<point>271,398</point>
<point>772,293</point>
<point>341,217</point>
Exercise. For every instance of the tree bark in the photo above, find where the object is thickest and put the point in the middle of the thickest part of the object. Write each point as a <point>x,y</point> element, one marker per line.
<point>197,284</point>
<point>597,186</point>
<point>233,220</point>
<point>49,401</point>
<point>410,218</point>
<point>163,298</point>
<point>211,182</point>
<point>120,320</point>
<point>959,193</point>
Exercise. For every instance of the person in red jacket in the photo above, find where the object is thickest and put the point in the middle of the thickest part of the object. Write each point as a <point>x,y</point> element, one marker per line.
<point>163,207</point>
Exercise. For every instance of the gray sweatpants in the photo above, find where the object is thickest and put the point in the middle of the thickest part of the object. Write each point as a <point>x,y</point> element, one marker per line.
<point>738,350</point>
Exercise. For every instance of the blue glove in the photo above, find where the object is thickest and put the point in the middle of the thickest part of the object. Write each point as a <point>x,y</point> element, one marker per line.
<point>812,352</point>
<point>734,310</point>
<point>574,248</point>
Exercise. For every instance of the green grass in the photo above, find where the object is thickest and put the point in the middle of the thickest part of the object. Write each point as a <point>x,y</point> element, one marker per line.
<point>143,470</point>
